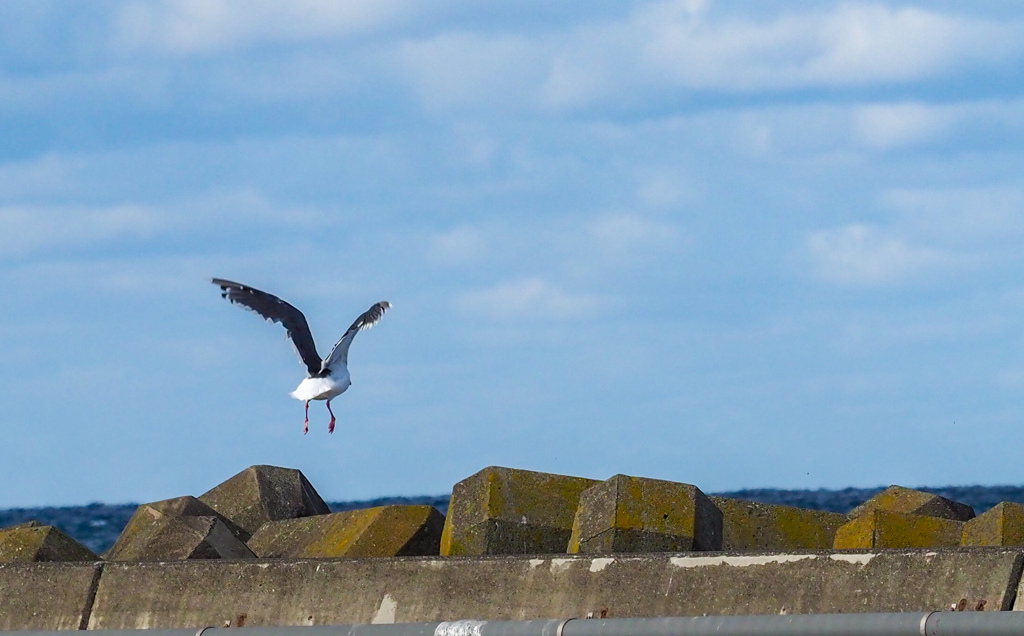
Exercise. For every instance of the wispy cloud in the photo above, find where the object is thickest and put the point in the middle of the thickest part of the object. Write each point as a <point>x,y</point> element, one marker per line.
<point>681,45</point>
<point>965,218</point>
<point>529,299</point>
<point>862,255</point>
<point>200,26</point>
<point>26,230</point>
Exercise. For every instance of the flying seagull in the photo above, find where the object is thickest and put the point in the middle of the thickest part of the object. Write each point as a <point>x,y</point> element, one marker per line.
<point>326,379</point>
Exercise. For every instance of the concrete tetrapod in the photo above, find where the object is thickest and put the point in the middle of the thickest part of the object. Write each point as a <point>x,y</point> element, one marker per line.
<point>884,529</point>
<point>175,538</point>
<point>1002,525</point>
<point>509,511</point>
<point>915,502</point>
<point>33,542</point>
<point>635,514</point>
<point>384,531</point>
<point>136,541</point>
<point>260,494</point>
<point>751,525</point>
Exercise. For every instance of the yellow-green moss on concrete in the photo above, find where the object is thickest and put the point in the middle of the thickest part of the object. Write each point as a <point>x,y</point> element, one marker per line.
<point>509,511</point>
<point>884,529</point>
<point>1003,525</point>
<point>31,542</point>
<point>751,525</point>
<point>635,514</point>
<point>384,531</point>
<point>915,502</point>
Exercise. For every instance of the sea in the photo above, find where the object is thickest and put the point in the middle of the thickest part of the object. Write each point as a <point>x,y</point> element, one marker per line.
<point>97,525</point>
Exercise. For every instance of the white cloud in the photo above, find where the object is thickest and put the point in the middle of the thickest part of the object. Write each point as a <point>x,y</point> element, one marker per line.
<point>459,245</point>
<point>850,44</point>
<point>471,69</point>
<point>683,46</point>
<point>885,126</point>
<point>196,26</point>
<point>28,229</point>
<point>623,233</point>
<point>965,218</point>
<point>530,299</point>
<point>862,255</point>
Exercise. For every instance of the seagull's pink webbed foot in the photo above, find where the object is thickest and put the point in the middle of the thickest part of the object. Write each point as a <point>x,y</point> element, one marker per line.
<point>306,429</point>
<point>330,427</point>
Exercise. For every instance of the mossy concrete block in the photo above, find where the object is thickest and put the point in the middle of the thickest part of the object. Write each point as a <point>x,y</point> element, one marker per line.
<point>915,502</point>
<point>142,527</point>
<point>176,538</point>
<point>384,531</point>
<point>636,514</point>
<point>47,596</point>
<point>751,525</point>
<point>31,542</point>
<point>1002,525</point>
<point>883,529</point>
<point>260,494</point>
<point>509,511</point>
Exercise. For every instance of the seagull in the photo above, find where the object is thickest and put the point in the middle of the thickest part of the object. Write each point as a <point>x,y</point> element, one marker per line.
<point>326,378</point>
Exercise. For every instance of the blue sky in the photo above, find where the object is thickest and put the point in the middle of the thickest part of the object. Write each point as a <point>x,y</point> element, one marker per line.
<point>735,244</point>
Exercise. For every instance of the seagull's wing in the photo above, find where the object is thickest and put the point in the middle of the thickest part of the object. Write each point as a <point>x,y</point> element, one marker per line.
<point>276,310</point>
<point>369,318</point>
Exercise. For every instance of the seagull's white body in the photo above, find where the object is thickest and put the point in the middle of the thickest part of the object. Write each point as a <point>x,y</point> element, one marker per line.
<point>325,388</point>
<point>326,378</point>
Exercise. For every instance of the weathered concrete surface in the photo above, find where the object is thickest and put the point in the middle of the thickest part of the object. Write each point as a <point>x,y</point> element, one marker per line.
<point>509,511</point>
<point>384,531</point>
<point>138,539</point>
<point>635,514</point>
<point>1002,525</point>
<point>883,529</point>
<point>30,542</point>
<point>750,525</point>
<point>915,502</point>
<point>173,538</point>
<point>46,595</point>
<point>260,494</point>
<point>411,589</point>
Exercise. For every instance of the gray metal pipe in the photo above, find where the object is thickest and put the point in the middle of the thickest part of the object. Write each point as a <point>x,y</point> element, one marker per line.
<point>896,624</point>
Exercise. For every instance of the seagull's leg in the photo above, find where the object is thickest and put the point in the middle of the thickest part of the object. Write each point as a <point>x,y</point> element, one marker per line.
<point>330,427</point>
<point>306,430</point>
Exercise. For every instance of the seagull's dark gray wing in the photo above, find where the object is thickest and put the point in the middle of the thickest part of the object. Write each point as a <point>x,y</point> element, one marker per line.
<point>276,310</point>
<point>369,318</point>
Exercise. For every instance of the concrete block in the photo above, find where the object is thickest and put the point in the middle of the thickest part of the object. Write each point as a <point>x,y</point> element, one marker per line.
<point>1002,525</point>
<point>46,596</point>
<point>915,502</point>
<point>509,511</point>
<point>635,514</point>
<point>142,527</point>
<point>384,531</point>
<point>172,538</point>
<point>883,529</point>
<point>31,542</point>
<point>260,494</point>
<point>750,525</point>
<point>421,589</point>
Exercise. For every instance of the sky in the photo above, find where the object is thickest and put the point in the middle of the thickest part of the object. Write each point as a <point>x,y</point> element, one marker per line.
<point>732,244</point>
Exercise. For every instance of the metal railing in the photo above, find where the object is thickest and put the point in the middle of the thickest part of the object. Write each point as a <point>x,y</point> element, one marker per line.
<point>897,624</point>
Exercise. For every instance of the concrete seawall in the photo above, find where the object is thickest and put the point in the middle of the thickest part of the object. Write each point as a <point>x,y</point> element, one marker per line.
<point>262,549</point>
<point>216,593</point>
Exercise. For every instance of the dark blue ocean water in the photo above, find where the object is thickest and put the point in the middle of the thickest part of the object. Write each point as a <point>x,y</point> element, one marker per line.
<point>97,525</point>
